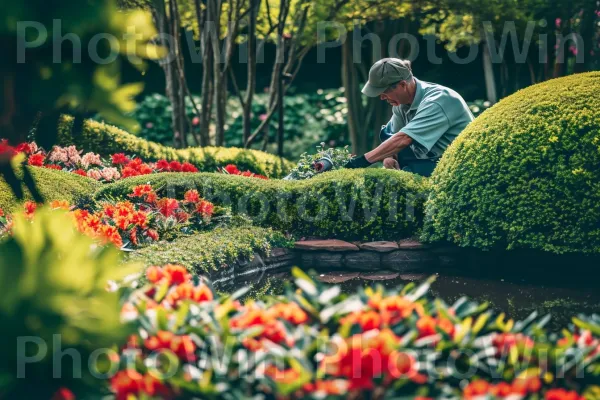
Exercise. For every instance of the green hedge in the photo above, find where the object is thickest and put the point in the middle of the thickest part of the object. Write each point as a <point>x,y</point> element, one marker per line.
<point>525,174</point>
<point>53,185</point>
<point>206,252</point>
<point>106,139</point>
<point>387,204</point>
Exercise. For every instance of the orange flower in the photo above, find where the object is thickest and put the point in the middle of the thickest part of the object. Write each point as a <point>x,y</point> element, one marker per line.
<point>368,356</point>
<point>328,387</point>
<point>476,388</point>
<point>154,274</point>
<point>126,383</point>
<point>152,234</point>
<point>176,274</point>
<point>167,206</point>
<point>273,330</point>
<point>60,204</point>
<point>181,345</point>
<point>187,291</point>
<point>426,326</point>
<point>286,376</point>
<point>394,309</point>
<point>367,320</point>
<point>505,342</point>
<point>141,190</point>
<point>290,312</point>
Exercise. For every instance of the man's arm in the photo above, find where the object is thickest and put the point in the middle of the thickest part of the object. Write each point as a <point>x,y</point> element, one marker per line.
<point>389,148</point>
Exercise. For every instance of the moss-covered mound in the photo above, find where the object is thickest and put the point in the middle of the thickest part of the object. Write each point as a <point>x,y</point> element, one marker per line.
<point>206,252</point>
<point>525,174</point>
<point>345,204</point>
<point>106,139</point>
<point>52,185</point>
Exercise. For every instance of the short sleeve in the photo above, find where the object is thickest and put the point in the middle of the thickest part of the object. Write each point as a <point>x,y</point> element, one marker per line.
<point>428,126</point>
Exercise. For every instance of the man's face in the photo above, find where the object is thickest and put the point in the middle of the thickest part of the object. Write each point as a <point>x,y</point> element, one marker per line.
<point>398,95</point>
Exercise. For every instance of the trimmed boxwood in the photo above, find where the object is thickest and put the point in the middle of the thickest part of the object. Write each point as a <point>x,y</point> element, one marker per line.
<point>525,174</point>
<point>206,252</point>
<point>106,139</point>
<point>52,185</point>
<point>364,204</point>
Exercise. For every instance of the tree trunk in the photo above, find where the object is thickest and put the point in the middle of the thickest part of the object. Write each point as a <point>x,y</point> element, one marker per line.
<point>488,71</point>
<point>251,70</point>
<point>356,112</point>
<point>207,67</point>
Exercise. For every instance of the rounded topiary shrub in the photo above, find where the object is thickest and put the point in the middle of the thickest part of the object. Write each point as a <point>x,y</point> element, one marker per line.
<point>525,174</point>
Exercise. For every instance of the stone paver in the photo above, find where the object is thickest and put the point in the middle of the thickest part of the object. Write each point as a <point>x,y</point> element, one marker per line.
<point>379,276</point>
<point>326,245</point>
<point>380,246</point>
<point>337,277</point>
<point>411,244</point>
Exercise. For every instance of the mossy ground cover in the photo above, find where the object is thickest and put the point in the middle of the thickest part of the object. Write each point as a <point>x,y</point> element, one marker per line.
<point>525,173</point>
<point>52,185</point>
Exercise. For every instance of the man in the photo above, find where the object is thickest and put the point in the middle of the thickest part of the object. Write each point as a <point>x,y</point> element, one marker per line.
<point>426,118</point>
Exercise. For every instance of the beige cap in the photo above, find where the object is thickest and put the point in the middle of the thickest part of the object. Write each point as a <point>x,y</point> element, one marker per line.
<point>385,73</point>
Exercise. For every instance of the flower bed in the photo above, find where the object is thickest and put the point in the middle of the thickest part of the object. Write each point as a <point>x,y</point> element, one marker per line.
<point>105,139</point>
<point>316,342</point>
<point>346,204</point>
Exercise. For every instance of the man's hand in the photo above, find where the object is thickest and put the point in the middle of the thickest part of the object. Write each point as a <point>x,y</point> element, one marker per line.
<point>358,162</point>
<point>391,163</point>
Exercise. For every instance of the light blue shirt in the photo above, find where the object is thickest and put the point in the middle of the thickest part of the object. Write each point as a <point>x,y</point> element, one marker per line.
<point>434,119</point>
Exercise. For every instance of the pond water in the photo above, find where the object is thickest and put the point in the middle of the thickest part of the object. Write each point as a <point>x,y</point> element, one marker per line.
<point>516,291</point>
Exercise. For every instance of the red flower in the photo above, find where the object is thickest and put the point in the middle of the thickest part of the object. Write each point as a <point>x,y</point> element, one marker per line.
<point>80,172</point>
<point>119,159</point>
<point>232,169</point>
<point>128,172</point>
<point>175,166</point>
<point>182,216</point>
<point>187,167</point>
<point>145,169</point>
<point>36,160</point>
<point>162,165</point>
<point>205,208</point>
<point>6,151</point>
<point>167,206</point>
<point>54,166</point>
<point>182,346</point>
<point>195,121</point>
<point>141,190</point>
<point>562,394</point>
<point>63,394</point>
<point>24,148</point>
<point>152,234</point>
<point>191,196</point>
<point>126,383</point>
<point>30,207</point>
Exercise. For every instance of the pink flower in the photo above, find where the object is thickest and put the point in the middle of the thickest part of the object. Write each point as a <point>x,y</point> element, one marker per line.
<point>557,22</point>
<point>94,174</point>
<point>58,154</point>
<point>195,121</point>
<point>149,125</point>
<point>573,50</point>
<point>262,117</point>
<point>90,159</point>
<point>110,174</point>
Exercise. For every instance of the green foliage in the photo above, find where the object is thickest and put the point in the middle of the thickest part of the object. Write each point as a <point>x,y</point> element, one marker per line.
<point>155,114</point>
<point>346,204</point>
<point>309,119</point>
<point>78,84</point>
<point>52,185</point>
<point>106,139</point>
<point>210,251</point>
<point>525,173</point>
<point>306,169</point>
<point>53,282</point>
